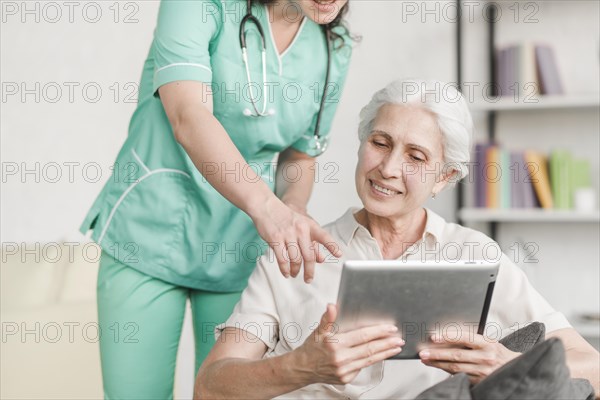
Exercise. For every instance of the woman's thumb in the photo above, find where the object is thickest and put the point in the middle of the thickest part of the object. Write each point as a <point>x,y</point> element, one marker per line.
<point>328,318</point>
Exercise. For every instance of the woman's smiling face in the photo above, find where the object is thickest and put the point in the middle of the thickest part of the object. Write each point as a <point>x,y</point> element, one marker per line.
<point>401,163</point>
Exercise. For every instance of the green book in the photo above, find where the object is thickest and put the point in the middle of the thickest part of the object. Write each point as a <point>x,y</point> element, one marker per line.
<point>505,181</point>
<point>560,178</point>
<point>580,175</point>
<point>567,194</point>
<point>553,162</point>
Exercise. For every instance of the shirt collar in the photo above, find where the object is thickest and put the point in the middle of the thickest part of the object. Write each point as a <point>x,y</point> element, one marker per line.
<point>434,225</point>
<point>348,225</point>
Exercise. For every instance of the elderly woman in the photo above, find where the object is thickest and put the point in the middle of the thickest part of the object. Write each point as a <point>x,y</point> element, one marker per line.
<point>414,142</point>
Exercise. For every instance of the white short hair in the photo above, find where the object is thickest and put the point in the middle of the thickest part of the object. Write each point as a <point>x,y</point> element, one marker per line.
<point>444,101</point>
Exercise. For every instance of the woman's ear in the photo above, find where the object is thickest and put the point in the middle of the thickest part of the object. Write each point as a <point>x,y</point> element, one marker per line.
<point>445,177</point>
<point>449,177</point>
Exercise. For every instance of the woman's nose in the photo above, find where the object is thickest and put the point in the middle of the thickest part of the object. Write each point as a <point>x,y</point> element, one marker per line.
<point>391,167</point>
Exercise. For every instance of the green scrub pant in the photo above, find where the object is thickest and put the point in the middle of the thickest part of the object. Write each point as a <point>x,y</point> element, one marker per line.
<point>140,320</point>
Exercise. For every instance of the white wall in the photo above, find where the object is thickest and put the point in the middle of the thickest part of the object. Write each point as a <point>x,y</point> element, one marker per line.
<point>396,43</point>
<point>568,257</point>
<point>76,137</point>
<point>38,134</point>
<point>390,49</point>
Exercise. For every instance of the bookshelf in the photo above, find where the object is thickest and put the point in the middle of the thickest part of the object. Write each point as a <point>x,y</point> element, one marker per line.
<point>537,103</point>
<point>528,224</point>
<point>588,329</point>
<point>527,215</point>
<point>491,108</point>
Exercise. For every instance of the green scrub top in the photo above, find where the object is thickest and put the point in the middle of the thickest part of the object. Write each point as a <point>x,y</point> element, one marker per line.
<point>157,213</point>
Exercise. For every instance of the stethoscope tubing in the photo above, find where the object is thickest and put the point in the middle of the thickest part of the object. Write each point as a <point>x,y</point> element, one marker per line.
<point>264,112</point>
<point>242,35</point>
<point>251,18</point>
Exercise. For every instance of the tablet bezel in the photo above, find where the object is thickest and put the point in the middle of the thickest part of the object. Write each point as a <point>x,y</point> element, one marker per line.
<point>474,285</point>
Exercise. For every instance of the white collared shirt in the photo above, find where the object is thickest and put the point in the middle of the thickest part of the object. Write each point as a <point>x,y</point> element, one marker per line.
<point>284,312</point>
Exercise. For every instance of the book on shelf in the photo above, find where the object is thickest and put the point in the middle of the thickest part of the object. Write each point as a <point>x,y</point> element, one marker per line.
<point>527,69</point>
<point>522,195</point>
<point>538,170</point>
<point>580,174</point>
<point>505,187</point>
<point>508,179</point>
<point>547,70</point>
<point>517,193</point>
<point>478,173</point>
<point>530,200</point>
<point>560,178</point>
<point>493,175</point>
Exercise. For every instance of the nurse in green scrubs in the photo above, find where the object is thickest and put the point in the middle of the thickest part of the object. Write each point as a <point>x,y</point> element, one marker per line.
<point>218,166</point>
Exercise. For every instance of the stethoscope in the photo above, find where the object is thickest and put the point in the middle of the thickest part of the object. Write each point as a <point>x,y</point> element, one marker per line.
<point>264,112</point>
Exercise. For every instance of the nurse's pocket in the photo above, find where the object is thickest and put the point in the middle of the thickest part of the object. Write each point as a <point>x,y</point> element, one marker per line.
<point>148,221</point>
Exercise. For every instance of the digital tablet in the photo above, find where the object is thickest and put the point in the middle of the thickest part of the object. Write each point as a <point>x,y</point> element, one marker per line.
<point>420,298</point>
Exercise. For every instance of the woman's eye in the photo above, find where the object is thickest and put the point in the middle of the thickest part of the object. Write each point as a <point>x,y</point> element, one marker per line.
<point>379,144</point>
<point>417,158</point>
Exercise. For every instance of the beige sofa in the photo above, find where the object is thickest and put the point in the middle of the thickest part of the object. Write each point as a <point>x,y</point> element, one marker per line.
<point>49,321</point>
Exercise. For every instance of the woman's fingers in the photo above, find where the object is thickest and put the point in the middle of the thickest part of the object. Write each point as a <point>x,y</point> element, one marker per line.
<point>478,362</point>
<point>458,338</point>
<point>455,355</point>
<point>338,357</point>
<point>367,334</point>
<point>373,347</point>
<point>374,358</point>
<point>464,350</point>
<point>360,348</point>
<point>472,369</point>
<point>327,320</point>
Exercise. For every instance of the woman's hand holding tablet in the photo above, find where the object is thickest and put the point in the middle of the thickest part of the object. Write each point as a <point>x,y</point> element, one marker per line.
<point>330,356</point>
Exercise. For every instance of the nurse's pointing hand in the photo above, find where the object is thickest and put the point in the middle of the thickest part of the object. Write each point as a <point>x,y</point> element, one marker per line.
<point>294,237</point>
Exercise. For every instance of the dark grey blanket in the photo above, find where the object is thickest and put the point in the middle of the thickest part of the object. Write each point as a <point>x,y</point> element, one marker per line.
<point>540,372</point>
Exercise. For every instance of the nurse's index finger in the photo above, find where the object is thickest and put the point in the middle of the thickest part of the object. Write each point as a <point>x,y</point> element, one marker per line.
<point>324,238</point>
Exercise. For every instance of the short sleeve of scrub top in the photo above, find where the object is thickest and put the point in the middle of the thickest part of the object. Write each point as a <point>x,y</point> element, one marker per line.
<point>183,32</point>
<point>157,213</point>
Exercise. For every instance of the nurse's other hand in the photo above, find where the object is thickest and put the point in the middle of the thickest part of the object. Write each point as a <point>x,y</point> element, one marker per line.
<point>327,356</point>
<point>294,237</point>
<point>476,356</point>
